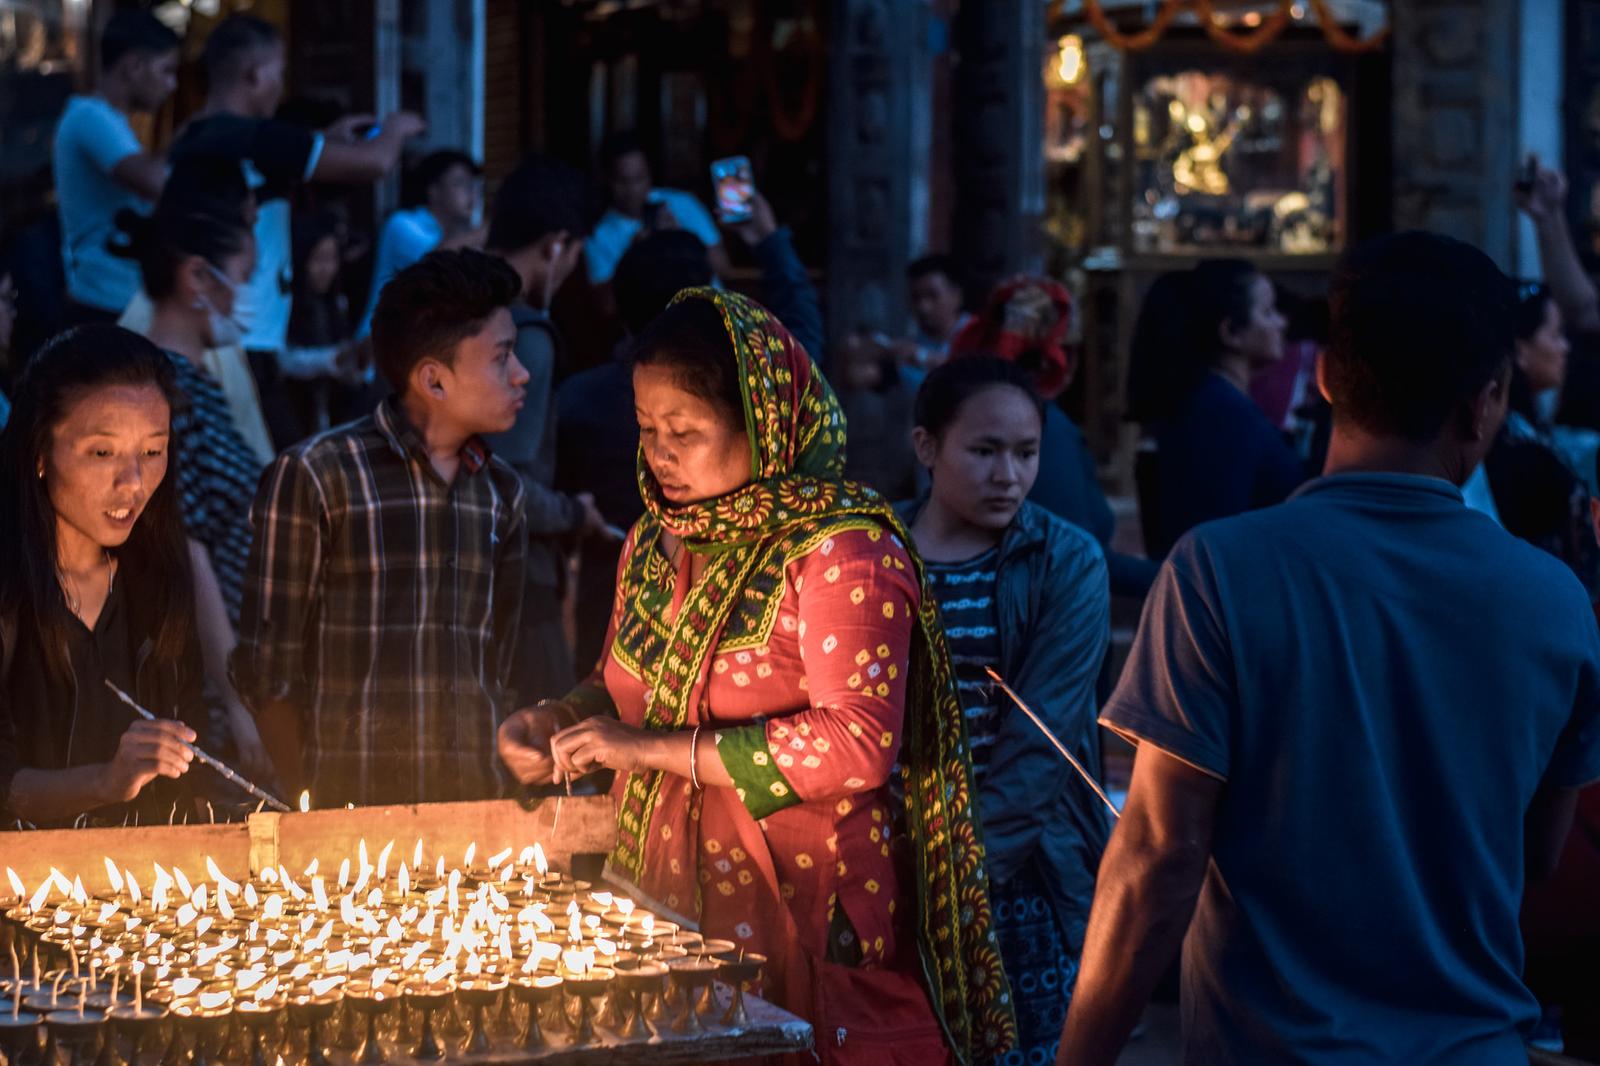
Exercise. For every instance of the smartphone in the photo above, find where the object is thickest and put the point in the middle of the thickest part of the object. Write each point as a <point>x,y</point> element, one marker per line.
<point>735,189</point>
<point>1527,174</point>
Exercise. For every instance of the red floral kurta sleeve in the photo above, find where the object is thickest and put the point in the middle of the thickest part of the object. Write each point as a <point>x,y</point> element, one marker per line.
<point>857,600</point>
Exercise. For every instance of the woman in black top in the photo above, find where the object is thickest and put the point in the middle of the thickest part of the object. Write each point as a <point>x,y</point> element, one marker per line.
<point>95,585</point>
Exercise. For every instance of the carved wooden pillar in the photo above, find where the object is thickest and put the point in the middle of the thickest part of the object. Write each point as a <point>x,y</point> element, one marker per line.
<point>878,158</point>
<point>1455,120</point>
<point>998,141</point>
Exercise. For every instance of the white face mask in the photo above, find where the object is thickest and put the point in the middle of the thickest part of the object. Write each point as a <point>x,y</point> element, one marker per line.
<point>225,330</point>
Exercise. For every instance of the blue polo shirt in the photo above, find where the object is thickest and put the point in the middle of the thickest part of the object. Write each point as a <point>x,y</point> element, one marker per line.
<point>1382,677</point>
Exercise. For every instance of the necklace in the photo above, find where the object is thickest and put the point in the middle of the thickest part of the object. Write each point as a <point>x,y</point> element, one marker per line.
<point>69,584</point>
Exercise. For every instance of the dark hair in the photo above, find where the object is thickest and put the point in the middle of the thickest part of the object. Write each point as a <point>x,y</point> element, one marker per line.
<point>235,39</point>
<point>1537,496</point>
<point>690,339</point>
<point>131,32</point>
<point>617,144</point>
<point>315,319</point>
<point>432,305</point>
<point>1533,300</point>
<point>938,263</point>
<point>653,270</point>
<point>1420,324</point>
<point>1161,372</point>
<point>540,197</point>
<point>161,241</point>
<point>427,171</point>
<point>75,362</point>
<point>1219,294</point>
<point>954,383</point>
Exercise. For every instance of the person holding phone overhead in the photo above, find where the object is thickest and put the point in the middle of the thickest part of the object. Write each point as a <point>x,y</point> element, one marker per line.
<point>637,206</point>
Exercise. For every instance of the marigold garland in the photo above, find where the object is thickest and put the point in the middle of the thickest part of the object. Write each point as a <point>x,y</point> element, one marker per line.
<point>1337,37</point>
<point>1244,43</point>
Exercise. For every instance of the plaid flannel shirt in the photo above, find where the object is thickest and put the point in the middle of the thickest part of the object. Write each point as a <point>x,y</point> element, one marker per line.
<point>382,603</point>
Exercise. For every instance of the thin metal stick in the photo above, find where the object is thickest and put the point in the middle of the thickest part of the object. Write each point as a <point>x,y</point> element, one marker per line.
<point>1051,737</point>
<point>216,764</point>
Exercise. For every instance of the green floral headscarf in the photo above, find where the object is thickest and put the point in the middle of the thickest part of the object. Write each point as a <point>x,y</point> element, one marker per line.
<point>797,441</point>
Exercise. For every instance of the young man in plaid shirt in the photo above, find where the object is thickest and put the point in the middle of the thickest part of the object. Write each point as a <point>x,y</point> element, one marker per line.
<point>385,581</point>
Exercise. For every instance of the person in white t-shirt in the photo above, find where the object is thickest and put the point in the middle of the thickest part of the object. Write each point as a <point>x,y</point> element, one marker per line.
<point>244,61</point>
<point>451,186</point>
<point>637,205</point>
<point>102,168</point>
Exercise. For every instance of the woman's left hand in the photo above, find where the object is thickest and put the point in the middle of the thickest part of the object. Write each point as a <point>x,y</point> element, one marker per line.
<point>601,743</point>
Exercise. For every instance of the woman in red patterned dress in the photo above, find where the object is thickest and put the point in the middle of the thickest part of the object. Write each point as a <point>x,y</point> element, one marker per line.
<point>774,663</point>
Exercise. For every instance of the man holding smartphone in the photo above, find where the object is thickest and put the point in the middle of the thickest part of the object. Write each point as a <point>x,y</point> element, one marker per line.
<point>637,206</point>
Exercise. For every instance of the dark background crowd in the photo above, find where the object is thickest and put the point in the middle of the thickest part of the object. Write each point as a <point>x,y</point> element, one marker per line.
<point>279,324</point>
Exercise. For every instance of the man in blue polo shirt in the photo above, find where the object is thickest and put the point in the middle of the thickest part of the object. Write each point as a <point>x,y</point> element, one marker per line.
<point>1362,716</point>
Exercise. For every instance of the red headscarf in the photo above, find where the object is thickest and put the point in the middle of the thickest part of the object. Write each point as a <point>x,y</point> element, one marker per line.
<point>1025,321</point>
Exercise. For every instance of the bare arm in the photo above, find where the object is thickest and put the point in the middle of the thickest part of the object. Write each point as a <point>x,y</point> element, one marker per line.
<point>352,161</point>
<point>1545,205</point>
<point>1148,883</point>
<point>145,174</point>
<point>147,750</point>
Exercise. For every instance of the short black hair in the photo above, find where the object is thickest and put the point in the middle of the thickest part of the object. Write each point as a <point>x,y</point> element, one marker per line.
<point>131,32</point>
<point>653,270</point>
<point>432,305</point>
<point>235,39</point>
<point>435,165</point>
<point>163,240</point>
<point>953,383</point>
<point>691,340</point>
<point>542,196</point>
<point>208,183</point>
<point>1420,323</point>
<point>617,144</point>
<point>937,263</point>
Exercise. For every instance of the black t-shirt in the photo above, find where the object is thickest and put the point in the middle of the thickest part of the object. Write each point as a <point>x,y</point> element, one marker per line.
<point>45,725</point>
<point>279,152</point>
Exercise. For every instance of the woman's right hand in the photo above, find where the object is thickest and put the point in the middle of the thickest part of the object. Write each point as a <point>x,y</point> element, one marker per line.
<point>146,751</point>
<point>524,741</point>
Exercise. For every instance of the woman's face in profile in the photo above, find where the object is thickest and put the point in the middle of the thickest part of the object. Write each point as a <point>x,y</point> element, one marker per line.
<point>693,447</point>
<point>106,457</point>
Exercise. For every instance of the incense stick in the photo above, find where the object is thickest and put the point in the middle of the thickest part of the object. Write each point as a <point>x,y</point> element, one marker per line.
<point>216,764</point>
<point>1051,737</point>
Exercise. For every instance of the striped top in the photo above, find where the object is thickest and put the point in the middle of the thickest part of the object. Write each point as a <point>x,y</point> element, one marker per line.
<point>965,592</point>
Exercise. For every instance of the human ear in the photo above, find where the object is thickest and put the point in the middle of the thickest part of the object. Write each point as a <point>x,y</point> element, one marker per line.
<point>1486,410</point>
<point>428,379</point>
<point>926,445</point>
<point>1322,377</point>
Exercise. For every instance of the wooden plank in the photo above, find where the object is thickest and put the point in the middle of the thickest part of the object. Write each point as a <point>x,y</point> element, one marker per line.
<point>82,852</point>
<point>563,826</point>
<point>587,824</point>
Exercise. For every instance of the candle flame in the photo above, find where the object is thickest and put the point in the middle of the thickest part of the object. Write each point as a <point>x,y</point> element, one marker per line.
<point>185,986</point>
<point>540,863</point>
<point>113,875</point>
<point>405,879</point>
<point>78,894</point>
<point>603,898</point>
<point>416,856</point>
<point>199,898</point>
<point>625,905</point>
<point>186,914</point>
<point>576,962</point>
<point>344,874</point>
<point>438,870</point>
<point>319,895</point>
<point>267,991</point>
<point>439,973</point>
<point>313,866</point>
<point>106,911</point>
<point>323,986</point>
<point>383,861</point>
<point>245,980</point>
<point>305,801</point>
<point>224,907</point>
<point>224,882</point>
<point>185,889</point>
<point>499,858</point>
<point>213,1000</point>
<point>472,849</point>
<point>17,887</point>
<point>272,909</point>
<point>250,897</point>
